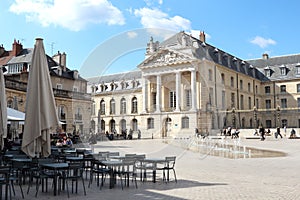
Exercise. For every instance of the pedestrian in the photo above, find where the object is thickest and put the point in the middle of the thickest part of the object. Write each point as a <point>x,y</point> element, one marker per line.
<point>262,133</point>
<point>255,132</point>
<point>278,132</point>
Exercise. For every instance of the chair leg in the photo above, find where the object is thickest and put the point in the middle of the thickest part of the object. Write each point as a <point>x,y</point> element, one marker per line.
<point>175,175</point>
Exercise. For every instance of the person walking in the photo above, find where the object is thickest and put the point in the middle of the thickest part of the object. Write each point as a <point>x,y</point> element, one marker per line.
<point>278,133</point>
<point>262,133</point>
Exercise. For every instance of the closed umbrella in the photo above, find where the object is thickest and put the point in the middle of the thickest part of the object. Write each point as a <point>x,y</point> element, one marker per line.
<point>40,116</point>
<point>3,110</point>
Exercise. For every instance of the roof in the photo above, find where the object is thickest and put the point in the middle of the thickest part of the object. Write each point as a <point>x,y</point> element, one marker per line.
<point>274,64</point>
<point>130,75</point>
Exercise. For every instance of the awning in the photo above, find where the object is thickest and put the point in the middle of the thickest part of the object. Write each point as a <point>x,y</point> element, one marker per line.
<point>15,115</point>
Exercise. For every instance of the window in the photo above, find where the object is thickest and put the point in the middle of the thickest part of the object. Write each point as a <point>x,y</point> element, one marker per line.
<point>232,82</point>
<point>268,123</point>
<point>75,89</point>
<point>61,113</point>
<point>211,96</point>
<point>134,108</point>
<point>59,86</point>
<point>188,98</point>
<point>112,105</point>
<point>298,69</point>
<point>210,75</point>
<point>298,88</point>
<point>283,103</point>
<point>298,103</point>
<point>241,84</point>
<point>283,71</point>
<point>223,100</point>
<point>172,96</point>
<point>134,125</point>
<point>150,123</point>
<point>123,106</point>
<point>232,100</point>
<point>268,104</point>
<point>223,78</point>
<point>185,122</point>
<point>123,124</point>
<point>242,102</point>
<point>283,88</point>
<point>249,87</point>
<point>102,107</point>
<point>267,90</point>
<point>256,104</point>
<point>267,72</point>
<point>249,103</point>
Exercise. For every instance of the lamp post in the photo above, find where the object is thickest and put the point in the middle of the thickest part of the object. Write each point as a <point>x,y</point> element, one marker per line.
<point>255,116</point>
<point>278,115</point>
<point>233,118</point>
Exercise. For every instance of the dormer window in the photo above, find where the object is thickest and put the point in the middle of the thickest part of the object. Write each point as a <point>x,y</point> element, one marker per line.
<point>75,74</point>
<point>267,71</point>
<point>282,70</point>
<point>298,69</point>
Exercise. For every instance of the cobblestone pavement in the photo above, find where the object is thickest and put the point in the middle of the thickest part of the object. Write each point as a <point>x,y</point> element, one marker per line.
<point>204,177</point>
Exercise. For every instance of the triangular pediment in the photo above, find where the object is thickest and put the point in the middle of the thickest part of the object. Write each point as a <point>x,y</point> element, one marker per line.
<point>165,57</point>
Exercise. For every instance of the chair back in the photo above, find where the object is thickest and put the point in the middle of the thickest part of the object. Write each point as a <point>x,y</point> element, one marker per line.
<point>170,161</point>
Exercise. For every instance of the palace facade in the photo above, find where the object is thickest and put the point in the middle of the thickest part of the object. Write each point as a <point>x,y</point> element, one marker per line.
<point>185,83</point>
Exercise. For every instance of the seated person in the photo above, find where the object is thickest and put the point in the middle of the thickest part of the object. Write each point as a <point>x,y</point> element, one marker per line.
<point>293,133</point>
<point>59,143</point>
<point>69,141</point>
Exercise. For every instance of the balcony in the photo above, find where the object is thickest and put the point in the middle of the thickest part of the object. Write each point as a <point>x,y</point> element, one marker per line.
<point>22,86</point>
<point>71,95</point>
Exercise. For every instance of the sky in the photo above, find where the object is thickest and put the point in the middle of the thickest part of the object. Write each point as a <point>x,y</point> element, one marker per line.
<point>110,36</point>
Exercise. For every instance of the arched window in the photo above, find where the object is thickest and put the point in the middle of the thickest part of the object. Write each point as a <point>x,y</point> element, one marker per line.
<point>112,107</point>
<point>185,122</point>
<point>150,123</point>
<point>123,106</point>
<point>102,107</point>
<point>134,108</point>
<point>134,125</point>
<point>61,113</point>
<point>123,124</point>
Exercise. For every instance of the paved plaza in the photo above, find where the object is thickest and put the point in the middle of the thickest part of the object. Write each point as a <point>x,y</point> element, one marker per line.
<point>204,177</point>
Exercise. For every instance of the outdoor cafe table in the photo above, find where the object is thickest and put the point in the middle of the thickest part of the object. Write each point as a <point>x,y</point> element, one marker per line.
<point>73,159</point>
<point>55,167</point>
<point>154,162</point>
<point>112,164</point>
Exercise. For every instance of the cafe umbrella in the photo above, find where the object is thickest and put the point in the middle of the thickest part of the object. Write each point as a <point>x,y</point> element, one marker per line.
<point>40,115</point>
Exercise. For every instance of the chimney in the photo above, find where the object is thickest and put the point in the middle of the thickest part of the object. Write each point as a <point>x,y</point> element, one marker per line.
<point>265,56</point>
<point>17,48</point>
<point>64,61</point>
<point>2,50</point>
<point>202,36</point>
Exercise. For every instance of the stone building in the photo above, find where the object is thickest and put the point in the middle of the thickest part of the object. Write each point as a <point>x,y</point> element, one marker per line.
<point>185,83</point>
<point>70,89</point>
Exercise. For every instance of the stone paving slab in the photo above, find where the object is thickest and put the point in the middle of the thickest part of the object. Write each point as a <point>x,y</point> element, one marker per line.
<point>204,177</point>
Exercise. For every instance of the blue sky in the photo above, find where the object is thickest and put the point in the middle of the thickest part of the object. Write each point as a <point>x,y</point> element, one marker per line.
<point>110,36</point>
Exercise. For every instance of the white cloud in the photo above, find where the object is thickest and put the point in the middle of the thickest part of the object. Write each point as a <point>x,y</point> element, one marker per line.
<point>155,18</point>
<point>132,34</point>
<point>71,14</point>
<point>151,2</point>
<point>262,42</point>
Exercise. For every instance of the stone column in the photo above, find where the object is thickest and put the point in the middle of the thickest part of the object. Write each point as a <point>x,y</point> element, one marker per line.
<point>158,93</point>
<point>145,83</point>
<point>178,91</point>
<point>193,88</point>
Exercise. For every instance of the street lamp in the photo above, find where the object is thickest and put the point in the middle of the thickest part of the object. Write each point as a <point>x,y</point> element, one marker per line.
<point>255,115</point>
<point>278,115</point>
